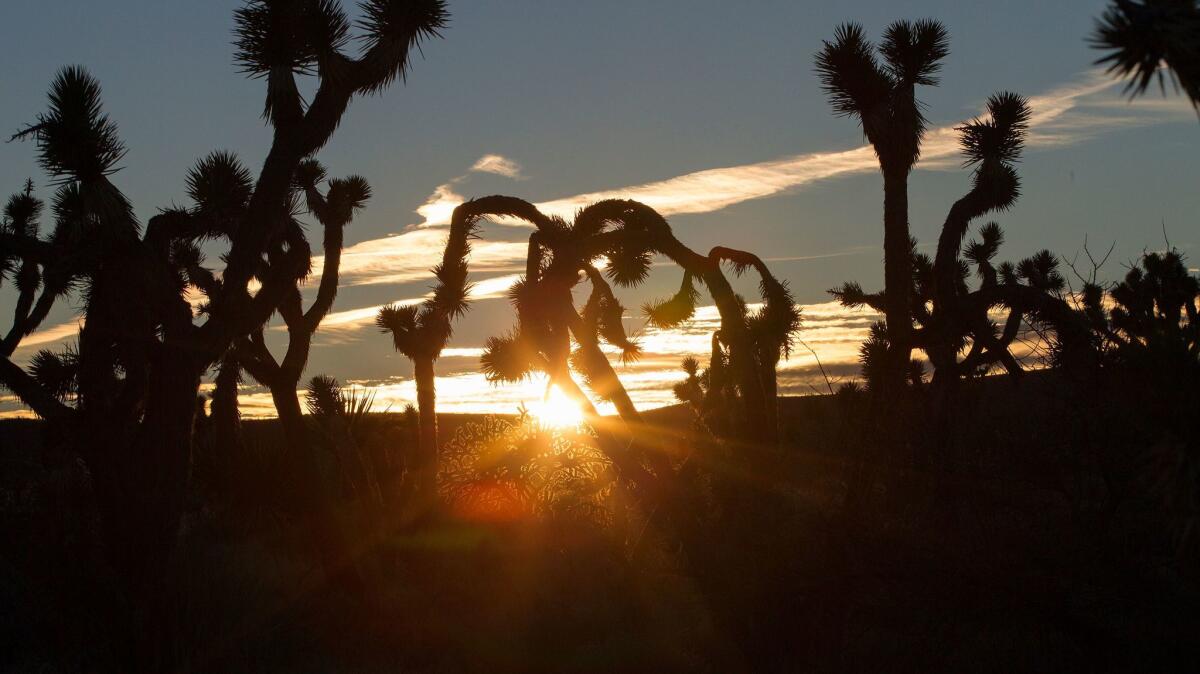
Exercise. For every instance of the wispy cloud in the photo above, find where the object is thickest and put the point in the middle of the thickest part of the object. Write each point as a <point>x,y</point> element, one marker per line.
<point>1063,116</point>
<point>499,165</point>
<point>1060,116</point>
<point>54,334</point>
<point>340,326</point>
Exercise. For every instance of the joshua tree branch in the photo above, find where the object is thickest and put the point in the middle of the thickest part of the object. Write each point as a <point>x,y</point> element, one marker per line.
<point>327,290</point>
<point>31,393</point>
<point>27,247</point>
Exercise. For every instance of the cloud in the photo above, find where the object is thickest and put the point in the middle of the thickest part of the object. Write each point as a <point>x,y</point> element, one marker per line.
<point>408,257</point>
<point>501,166</point>
<point>1062,116</point>
<point>1056,121</point>
<point>53,335</point>
<point>339,326</point>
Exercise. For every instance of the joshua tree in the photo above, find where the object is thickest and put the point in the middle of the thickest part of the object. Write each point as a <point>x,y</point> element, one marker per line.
<point>628,233</point>
<point>334,210</point>
<point>141,354</point>
<point>949,314</point>
<point>420,332</point>
<point>560,255</point>
<point>1146,330</point>
<point>1143,37</point>
<point>882,96</point>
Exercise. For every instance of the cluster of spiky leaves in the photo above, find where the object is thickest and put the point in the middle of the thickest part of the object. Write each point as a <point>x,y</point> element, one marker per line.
<point>57,371</point>
<point>1155,308</point>
<point>21,218</point>
<point>675,310</point>
<point>1039,272</point>
<point>1140,37</point>
<point>220,187</point>
<point>774,326</point>
<point>509,358</point>
<point>710,391</point>
<point>992,144</point>
<point>283,38</point>
<point>422,330</point>
<point>76,139</point>
<point>880,94</point>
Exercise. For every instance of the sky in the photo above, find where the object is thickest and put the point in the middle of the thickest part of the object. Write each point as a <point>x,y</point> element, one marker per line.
<point>706,110</point>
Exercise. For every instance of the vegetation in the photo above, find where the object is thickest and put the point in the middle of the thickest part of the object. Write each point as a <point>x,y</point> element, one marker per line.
<point>1143,37</point>
<point>915,521</point>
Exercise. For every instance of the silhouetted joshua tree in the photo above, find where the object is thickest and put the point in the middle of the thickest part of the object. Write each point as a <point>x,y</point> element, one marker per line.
<point>627,234</point>
<point>955,325</point>
<point>1144,39</point>
<point>1147,331</point>
<point>420,332</point>
<point>882,96</point>
<point>950,316</point>
<point>141,355</point>
<point>334,210</point>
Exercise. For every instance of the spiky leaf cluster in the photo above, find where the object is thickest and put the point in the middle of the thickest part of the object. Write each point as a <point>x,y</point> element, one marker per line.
<point>288,35</point>
<point>395,27</point>
<point>675,310</point>
<point>324,396</point>
<point>1139,37</point>
<point>220,186</point>
<point>508,358</point>
<point>76,139</point>
<point>880,94</point>
<point>57,372</point>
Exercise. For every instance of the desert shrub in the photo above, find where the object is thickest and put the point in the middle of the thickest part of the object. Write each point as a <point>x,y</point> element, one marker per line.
<point>498,469</point>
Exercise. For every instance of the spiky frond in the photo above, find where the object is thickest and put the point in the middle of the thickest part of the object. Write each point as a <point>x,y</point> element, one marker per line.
<point>775,325</point>
<point>611,327</point>
<point>1139,37</point>
<point>22,212</point>
<point>309,174</point>
<point>76,139</point>
<point>873,356</point>
<point>324,397</point>
<point>288,35</point>
<point>395,27</point>
<point>849,73</point>
<point>403,324</point>
<point>628,266</point>
<point>1041,271</point>
<point>996,187</point>
<point>1000,137</point>
<point>676,309</point>
<point>220,185</point>
<point>508,358</point>
<point>1008,273</point>
<point>347,195</point>
<point>913,51</point>
<point>983,250</point>
<point>58,372</point>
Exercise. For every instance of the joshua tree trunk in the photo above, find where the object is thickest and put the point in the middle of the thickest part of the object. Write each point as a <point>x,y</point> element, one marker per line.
<point>897,264</point>
<point>425,471</point>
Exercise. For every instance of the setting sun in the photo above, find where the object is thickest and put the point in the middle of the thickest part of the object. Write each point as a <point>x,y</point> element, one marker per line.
<point>557,410</point>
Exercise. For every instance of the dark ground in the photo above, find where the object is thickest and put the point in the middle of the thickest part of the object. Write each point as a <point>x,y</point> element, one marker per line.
<point>1038,571</point>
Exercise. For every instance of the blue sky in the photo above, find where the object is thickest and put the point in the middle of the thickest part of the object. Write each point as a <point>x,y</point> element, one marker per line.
<point>603,96</point>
